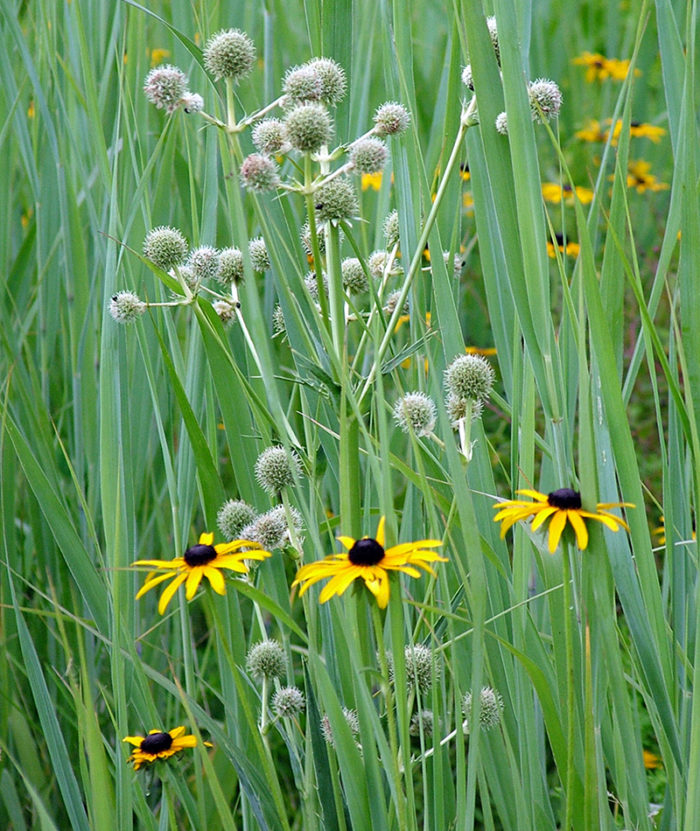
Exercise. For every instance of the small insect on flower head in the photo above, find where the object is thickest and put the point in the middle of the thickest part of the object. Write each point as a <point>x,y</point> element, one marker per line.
<point>125,307</point>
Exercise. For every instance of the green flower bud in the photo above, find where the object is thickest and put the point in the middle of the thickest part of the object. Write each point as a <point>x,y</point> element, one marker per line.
<point>288,702</point>
<point>276,468</point>
<point>308,127</point>
<point>232,516</point>
<point>266,659</point>
<point>230,266</point>
<point>354,277</point>
<point>368,155</point>
<point>259,172</point>
<point>259,258</point>
<point>391,229</point>
<point>491,709</point>
<point>391,119</point>
<point>470,377</point>
<point>270,137</point>
<point>165,247</point>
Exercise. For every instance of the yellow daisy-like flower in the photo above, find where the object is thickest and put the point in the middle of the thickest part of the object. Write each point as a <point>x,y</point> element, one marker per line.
<point>571,249</point>
<point>638,177</point>
<point>598,67</point>
<point>560,506</point>
<point>592,132</point>
<point>637,130</point>
<point>367,559</point>
<point>201,560</point>
<point>554,193</point>
<point>159,745</point>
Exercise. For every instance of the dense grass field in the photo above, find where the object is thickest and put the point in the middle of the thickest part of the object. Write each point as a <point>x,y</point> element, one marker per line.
<point>442,323</point>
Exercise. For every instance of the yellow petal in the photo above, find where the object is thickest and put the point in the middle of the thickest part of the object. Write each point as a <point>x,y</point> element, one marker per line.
<point>176,731</point>
<point>206,538</point>
<point>194,578</point>
<point>176,563</point>
<point>216,579</point>
<point>542,516</point>
<point>152,583</point>
<point>556,526</point>
<point>579,527</point>
<point>380,532</point>
<point>170,590</point>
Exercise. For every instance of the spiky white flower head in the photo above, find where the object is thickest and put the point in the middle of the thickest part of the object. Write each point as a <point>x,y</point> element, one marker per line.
<point>125,306</point>
<point>269,529</point>
<point>305,236</point>
<point>311,283</point>
<point>336,201</point>
<point>467,78</point>
<point>187,274</point>
<point>392,301</point>
<point>502,123</point>
<point>470,377</point>
<point>279,327</point>
<point>276,468</point>
<point>270,136</point>
<point>266,659</point>
<point>419,661</point>
<point>423,719</point>
<point>332,79</point>
<point>230,269</point>
<point>391,229</point>
<point>308,127</point>
<point>351,719</point>
<point>192,102</point>
<point>491,709</point>
<point>456,263</point>
<point>354,277</point>
<point>391,119</point>
<point>259,173</point>
<point>545,99</point>
<point>259,258</point>
<point>232,516</point>
<point>165,87</point>
<point>457,409</point>
<point>225,310</point>
<point>165,247</point>
<point>301,84</point>
<point>380,262</point>
<point>368,155</point>
<point>416,413</point>
<point>288,702</point>
<point>204,263</point>
<point>493,34</point>
<point>229,54</point>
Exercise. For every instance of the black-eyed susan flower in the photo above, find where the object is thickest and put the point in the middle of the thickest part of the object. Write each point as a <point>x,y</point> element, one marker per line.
<point>159,745</point>
<point>372,180</point>
<point>638,177</point>
<point>568,247</point>
<point>599,68</point>
<point>555,193</point>
<point>199,561</point>
<point>560,507</point>
<point>367,559</point>
<point>592,132</point>
<point>637,130</point>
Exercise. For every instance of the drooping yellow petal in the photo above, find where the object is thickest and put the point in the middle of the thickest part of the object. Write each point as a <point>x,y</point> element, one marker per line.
<point>178,562</point>
<point>194,578</point>
<point>135,740</point>
<point>542,516</point>
<point>340,582</point>
<point>580,529</point>
<point>537,495</point>
<point>234,562</point>
<point>152,583</point>
<point>215,578</point>
<point>170,590</point>
<point>348,542</point>
<point>556,526</point>
<point>183,742</point>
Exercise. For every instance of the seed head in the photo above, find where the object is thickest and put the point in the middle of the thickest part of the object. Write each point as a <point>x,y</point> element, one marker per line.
<point>311,283</point>
<point>467,78</point>
<point>165,87</point>
<point>331,76</point>
<point>259,172</point>
<point>391,229</point>
<point>354,277</point>
<point>259,258</point>
<point>301,84</point>
<point>493,34</point>
<point>270,137</point>
<point>229,54</point>
<point>225,310</point>
<point>165,247</point>
<point>230,266</point>
<point>390,119</point>
<point>192,102</point>
<point>232,516</point>
<point>502,123</point>
<point>288,702</point>
<point>276,468</point>
<point>308,127</point>
<point>270,528</point>
<point>392,301</point>
<point>380,262</point>
<point>368,155</point>
<point>305,236</point>
<point>125,307</point>
<point>419,663</point>
<point>423,719</point>
<point>336,201</point>
<point>204,263</point>
<point>416,413</point>
<point>278,325</point>
<point>545,100</point>
<point>266,659</point>
<point>469,376</point>
<point>351,719</point>
<point>491,709</point>
<point>457,409</point>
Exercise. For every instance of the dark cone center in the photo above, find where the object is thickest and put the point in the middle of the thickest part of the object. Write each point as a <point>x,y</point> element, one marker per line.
<point>564,498</point>
<point>199,555</point>
<point>366,552</point>
<point>156,743</point>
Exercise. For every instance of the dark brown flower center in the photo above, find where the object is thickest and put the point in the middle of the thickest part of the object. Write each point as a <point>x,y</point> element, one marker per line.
<point>199,555</point>
<point>564,498</point>
<point>366,552</point>
<point>156,743</point>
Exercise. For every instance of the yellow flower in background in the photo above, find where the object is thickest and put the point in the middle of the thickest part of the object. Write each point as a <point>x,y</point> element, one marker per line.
<point>159,745</point>
<point>372,180</point>
<point>637,130</point>
<point>199,561</point>
<point>554,193</point>
<point>559,507</point>
<point>368,560</point>
<point>464,173</point>
<point>638,177</point>
<point>651,760</point>
<point>571,249</point>
<point>599,68</point>
<point>158,55</point>
<point>592,132</point>
<point>480,350</point>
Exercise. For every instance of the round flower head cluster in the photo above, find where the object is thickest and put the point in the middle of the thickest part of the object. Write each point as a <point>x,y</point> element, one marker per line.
<point>270,137</point>
<point>276,468</point>
<point>230,269</point>
<point>125,307</point>
<point>259,258</point>
<point>336,201</point>
<point>305,236</point>
<point>419,667</point>
<point>502,123</point>
<point>545,99</point>
<point>259,173</point>
<point>266,659</point>
<point>424,720</point>
<point>416,413</point>
<point>232,516</point>
<point>332,80</point>
<point>229,54</point>
<point>467,78</point>
<point>165,247</point>
<point>225,310</point>
<point>391,229</point>
<point>392,301</point>
<point>308,127</point>
<point>288,702</point>
<point>457,409</point>
<point>301,84</point>
<point>270,529</point>
<point>381,263</point>
<point>491,709</point>
<point>469,377</point>
<point>391,119</point>
<point>203,263</point>
<point>279,327</point>
<point>354,277</point>
<point>165,86</point>
<point>368,155</point>
<point>351,719</point>
<point>192,102</point>
<point>493,34</point>
<point>311,283</point>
